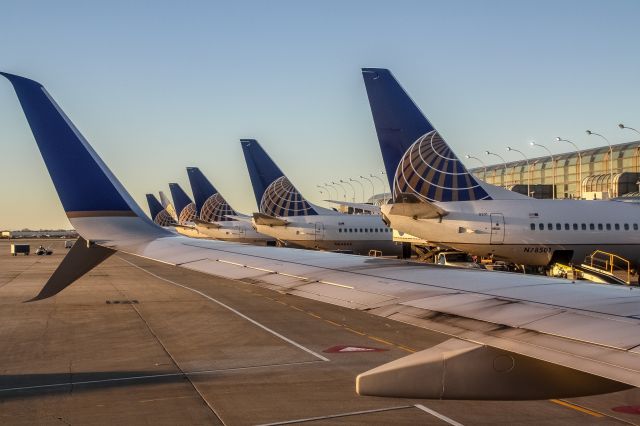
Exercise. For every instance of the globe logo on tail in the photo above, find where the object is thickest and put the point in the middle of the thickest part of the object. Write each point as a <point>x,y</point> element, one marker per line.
<point>281,198</point>
<point>431,171</point>
<point>216,209</point>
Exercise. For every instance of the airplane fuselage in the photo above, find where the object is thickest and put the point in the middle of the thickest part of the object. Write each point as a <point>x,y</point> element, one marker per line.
<point>531,232</point>
<point>354,233</point>
<point>236,231</point>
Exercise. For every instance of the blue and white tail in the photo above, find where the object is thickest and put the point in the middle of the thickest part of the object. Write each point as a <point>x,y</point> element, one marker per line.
<point>159,214</point>
<point>210,204</point>
<point>185,208</point>
<point>168,206</point>
<point>275,194</point>
<point>417,159</point>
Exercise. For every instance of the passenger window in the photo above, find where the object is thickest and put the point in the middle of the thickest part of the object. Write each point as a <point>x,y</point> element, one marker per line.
<point>541,226</point>
<point>567,227</point>
<point>365,230</point>
<point>584,226</point>
<point>339,229</point>
<point>599,227</point>
<point>635,226</point>
<point>617,226</point>
<point>575,226</point>
<point>533,226</point>
<point>592,227</point>
<point>608,226</point>
<point>370,229</point>
<point>360,229</point>
<point>350,229</point>
<point>550,226</point>
<point>626,226</point>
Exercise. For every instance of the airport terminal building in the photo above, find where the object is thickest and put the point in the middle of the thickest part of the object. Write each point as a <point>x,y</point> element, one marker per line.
<point>603,172</point>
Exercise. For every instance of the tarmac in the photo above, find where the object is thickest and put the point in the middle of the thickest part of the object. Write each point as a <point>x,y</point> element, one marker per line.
<point>140,342</point>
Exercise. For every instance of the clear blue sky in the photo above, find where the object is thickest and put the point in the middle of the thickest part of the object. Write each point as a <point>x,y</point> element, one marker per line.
<point>158,86</point>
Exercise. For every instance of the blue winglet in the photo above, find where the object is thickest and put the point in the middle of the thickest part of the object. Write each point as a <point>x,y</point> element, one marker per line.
<point>85,185</point>
<point>417,159</point>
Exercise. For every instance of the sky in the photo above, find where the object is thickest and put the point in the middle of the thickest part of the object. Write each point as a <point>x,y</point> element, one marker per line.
<point>156,86</point>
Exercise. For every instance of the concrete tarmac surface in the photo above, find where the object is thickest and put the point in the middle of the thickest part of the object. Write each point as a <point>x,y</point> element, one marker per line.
<point>140,342</point>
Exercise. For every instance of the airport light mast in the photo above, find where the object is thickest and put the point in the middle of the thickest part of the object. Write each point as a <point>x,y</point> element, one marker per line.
<point>579,173</point>
<point>528,169</point>
<point>352,189</point>
<point>504,162</point>
<point>590,133</point>
<point>361,186</point>
<point>553,161</point>
<point>484,166</point>
<point>373,188</point>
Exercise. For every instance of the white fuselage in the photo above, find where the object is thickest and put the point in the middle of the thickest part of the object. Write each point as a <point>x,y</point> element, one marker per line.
<point>530,231</point>
<point>235,230</point>
<point>354,233</point>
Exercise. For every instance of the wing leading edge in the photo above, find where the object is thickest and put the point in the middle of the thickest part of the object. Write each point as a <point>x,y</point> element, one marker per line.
<point>532,337</point>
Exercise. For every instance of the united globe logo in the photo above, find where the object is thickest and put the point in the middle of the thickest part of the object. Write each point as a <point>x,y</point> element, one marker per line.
<point>216,209</point>
<point>282,199</point>
<point>187,214</point>
<point>432,172</point>
<point>164,219</point>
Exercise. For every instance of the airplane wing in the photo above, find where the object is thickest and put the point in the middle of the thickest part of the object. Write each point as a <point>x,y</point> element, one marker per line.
<point>265,219</point>
<point>512,336</point>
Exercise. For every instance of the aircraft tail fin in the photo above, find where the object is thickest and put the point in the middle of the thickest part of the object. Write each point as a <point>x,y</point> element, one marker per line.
<point>275,194</point>
<point>417,159</point>
<point>210,204</point>
<point>155,208</point>
<point>185,208</point>
<point>96,204</point>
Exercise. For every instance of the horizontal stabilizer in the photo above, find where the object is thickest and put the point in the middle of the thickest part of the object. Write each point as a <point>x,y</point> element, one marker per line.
<point>81,259</point>
<point>263,219</point>
<point>208,225</point>
<point>409,205</point>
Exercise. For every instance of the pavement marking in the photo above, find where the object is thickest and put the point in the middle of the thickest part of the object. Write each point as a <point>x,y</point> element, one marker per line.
<point>333,323</point>
<point>335,416</point>
<point>354,331</point>
<point>152,376</point>
<point>240,314</point>
<point>386,342</point>
<point>576,407</point>
<point>438,415</point>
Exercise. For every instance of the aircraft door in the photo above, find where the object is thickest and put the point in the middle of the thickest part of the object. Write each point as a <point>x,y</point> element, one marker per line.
<point>319,231</point>
<point>497,228</point>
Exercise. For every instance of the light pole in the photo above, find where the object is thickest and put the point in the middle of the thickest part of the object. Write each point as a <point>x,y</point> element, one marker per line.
<point>579,182</point>
<point>327,185</point>
<point>590,133</point>
<point>321,190</point>
<point>503,162</point>
<point>352,189</point>
<point>361,186</point>
<point>622,126</point>
<point>373,188</point>
<point>381,181</point>
<point>484,166</point>
<point>553,161</point>
<point>528,169</point>
<point>341,187</point>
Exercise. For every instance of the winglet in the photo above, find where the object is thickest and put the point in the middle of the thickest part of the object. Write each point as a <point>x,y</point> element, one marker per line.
<point>97,205</point>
